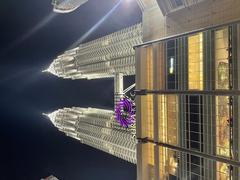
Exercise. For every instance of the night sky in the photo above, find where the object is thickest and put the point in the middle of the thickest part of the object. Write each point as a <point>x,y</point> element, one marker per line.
<point>31,147</point>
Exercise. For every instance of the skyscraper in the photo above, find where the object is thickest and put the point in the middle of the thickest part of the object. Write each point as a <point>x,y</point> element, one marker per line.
<point>187,81</point>
<point>66,6</point>
<point>187,85</point>
<point>97,128</point>
<point>101,58</point>
<point>111,56</point>
<point>106,57</point>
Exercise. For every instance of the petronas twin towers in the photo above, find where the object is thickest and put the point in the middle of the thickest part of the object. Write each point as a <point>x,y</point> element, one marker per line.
<point>187,89</point>
<point>111,56</point>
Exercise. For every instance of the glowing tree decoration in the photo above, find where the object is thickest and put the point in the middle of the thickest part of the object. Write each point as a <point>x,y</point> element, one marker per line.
<point>125,112</point>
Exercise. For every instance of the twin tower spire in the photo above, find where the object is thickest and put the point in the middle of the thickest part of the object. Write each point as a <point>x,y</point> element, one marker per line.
<point>111,56</point>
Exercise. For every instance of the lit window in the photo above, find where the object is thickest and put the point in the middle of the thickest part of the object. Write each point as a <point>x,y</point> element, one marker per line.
<point>167,163</point>
<point>172,58</point>
<point>195,62</point>
<point>171,69</point>
<point>223,172</point>
<point>168,119</point>
<point>222,126</point>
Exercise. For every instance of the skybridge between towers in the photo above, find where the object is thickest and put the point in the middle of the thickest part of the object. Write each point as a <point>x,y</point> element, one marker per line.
<point>111,56</point>
<point>187,85</point>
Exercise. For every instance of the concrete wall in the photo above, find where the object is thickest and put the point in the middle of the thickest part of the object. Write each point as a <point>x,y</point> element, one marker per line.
<point>204,14</point>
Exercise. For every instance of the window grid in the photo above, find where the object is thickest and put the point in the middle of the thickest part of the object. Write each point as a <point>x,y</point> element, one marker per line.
<point>195,62</point>
<point>204,122</point>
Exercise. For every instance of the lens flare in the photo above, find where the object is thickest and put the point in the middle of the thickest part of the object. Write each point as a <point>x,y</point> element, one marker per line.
<point>93,28</point>
<point>30,33</point>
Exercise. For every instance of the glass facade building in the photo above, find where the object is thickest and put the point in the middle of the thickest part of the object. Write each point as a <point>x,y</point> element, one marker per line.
<point>187,86</point>
<point>188,106</point>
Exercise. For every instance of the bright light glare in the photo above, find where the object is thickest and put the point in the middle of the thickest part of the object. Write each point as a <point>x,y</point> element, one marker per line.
<point>31,32</point>
<point>94,27</point>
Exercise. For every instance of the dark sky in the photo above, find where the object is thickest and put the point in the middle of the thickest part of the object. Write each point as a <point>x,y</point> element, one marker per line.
<point>31,147</point>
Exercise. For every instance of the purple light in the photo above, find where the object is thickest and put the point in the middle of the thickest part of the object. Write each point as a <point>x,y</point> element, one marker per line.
<point>125,112</point>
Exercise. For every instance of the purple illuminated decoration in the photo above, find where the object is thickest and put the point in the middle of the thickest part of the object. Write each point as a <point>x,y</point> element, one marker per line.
<point>125,112</point>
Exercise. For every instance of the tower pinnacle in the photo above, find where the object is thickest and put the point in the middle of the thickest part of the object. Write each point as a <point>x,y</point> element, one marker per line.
<point>51,116</point>
<point>46,70</point>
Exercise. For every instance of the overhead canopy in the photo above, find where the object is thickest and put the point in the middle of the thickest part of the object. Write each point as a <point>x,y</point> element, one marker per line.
<point>168,6</point>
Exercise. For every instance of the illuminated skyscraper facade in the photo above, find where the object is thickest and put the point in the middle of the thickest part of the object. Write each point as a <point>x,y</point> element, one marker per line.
<point>187,85</point>
<point>111,56</point>
<point>101,58</point>
<point>97,128</point>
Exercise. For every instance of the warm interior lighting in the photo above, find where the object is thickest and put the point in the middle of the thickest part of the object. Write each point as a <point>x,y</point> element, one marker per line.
<point>147,116</point>
<point>195,62</point>
<point>147,101</point>
<point>168,119</point>
<point>222,82</point>
<point>168,133</point>
<point>223,171</point>
<point>222,126</point>
<point>221,59</point>
<point>167,163</point>
<point>149,62</point>
<point>148,163</point>
<point>171,69</point>
<point>151,154</point>
<point>222,108</point>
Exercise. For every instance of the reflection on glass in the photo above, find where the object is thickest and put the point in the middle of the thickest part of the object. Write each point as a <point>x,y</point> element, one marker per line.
<point>222,102</point>
<point>172,119</point>
<point>149,67</point>
<point>146,107</point>
<point>151,161</point>
<point>162,119</point>
<point>223,171</point>
<point>147,116</point>
<point>151,154</point>
<point>168,119</point>
<point>146,69</point>
<point>172,64</point>
<point>168,133</point>
<point>167,163</point>
<point>222,126</point>
<point>221,59</point>
<point>150,117</point>
<point>148,161</point>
